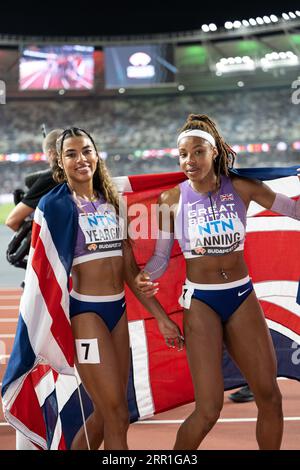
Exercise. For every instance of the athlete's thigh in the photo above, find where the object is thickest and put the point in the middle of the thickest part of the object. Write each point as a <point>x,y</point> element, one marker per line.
<point>248,340</point>
<point>204,345</point>
<point>101,378</point>
<point>120,337</point>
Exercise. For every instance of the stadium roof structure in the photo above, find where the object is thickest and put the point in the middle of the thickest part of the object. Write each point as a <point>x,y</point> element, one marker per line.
<point>168,25</point>
<point>113,18</point>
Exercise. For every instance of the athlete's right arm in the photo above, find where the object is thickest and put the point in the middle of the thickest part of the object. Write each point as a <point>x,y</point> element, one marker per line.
<point>18,215</point>
<point>158,263</point>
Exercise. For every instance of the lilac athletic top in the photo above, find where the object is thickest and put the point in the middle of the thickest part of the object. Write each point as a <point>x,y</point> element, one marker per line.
<point>100,231</point>
<point>210,224</point>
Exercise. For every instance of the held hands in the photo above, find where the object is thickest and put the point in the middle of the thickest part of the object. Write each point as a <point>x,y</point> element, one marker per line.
<point>144,285</point>
<point>169,329</point>
<point>171,333</point>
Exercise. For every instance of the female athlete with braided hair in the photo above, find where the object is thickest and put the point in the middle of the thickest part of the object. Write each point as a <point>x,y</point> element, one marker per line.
<point>207,214</point>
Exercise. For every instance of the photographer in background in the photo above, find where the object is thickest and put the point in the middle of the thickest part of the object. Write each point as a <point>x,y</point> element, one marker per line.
<point>39,183</point>
<point>20,218</point>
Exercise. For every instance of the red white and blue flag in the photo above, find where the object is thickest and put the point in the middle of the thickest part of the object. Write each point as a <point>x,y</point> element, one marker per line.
<point>39,393</point>
<point>226,197</point>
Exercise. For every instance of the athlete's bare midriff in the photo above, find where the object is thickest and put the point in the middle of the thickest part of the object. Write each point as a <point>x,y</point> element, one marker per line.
<point>99,276</point>
<point>207,269</point>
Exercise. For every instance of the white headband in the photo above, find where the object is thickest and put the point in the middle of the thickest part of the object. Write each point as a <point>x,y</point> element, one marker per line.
<point>197,133</point>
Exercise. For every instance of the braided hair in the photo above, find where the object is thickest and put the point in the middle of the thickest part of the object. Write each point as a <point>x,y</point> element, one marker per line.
<point>226,155</point>
<point>102,180</point>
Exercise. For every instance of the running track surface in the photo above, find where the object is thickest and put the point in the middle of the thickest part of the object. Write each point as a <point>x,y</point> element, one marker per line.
<point>235,429</point>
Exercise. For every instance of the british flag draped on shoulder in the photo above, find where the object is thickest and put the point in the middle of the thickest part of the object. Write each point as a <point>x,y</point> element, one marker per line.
<point>40,396</point>
<point>40,373</point>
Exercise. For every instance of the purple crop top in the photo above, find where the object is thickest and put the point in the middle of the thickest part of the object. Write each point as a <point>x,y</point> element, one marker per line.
<point>100,231</point>
<point>210,224</point>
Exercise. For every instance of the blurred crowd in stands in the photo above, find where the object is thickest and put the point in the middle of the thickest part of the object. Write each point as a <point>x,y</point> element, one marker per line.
<point>123,125</point>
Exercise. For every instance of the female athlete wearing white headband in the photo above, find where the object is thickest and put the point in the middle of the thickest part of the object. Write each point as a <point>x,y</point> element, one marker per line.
<point>208,217</point>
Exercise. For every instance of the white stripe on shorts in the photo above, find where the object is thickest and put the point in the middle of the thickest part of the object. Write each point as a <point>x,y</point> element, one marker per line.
<point>96,298</point>
<point>223,286</point>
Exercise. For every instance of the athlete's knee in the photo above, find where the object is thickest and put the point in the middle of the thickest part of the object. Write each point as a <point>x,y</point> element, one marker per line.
<point>276,401</point>
<point>270,397</point>
<point>208,415</point>
<point>118,416</point>
<point>123,417</point>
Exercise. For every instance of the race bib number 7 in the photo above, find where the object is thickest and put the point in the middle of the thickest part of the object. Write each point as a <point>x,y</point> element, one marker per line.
<point>87,351</point>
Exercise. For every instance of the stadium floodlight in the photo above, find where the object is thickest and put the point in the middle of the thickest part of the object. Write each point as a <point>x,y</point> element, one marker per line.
<point>259,20</point>
<point>292,15</point>
<point>212,27</point>
<point>297,12</point>
<point>282,55</point>
<point>279,59</point>
<point>274,18</point>
<point>252,22</point>
<point>234,64</point>
<point>274,56</point>
<point>205,28</point>
<point>285,16</point>
<point>245,23</point>
<point>237,24</point>
<point>228,25</point>
<point>266,20</point>
<point>290,54</point>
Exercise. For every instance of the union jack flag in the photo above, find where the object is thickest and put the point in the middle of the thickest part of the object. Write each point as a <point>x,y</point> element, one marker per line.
<point>40,389</point>
<point>226,197</point>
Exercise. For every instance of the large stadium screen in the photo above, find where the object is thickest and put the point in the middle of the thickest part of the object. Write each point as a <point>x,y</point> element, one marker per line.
<point>69,67</point>
<point>139,66</point>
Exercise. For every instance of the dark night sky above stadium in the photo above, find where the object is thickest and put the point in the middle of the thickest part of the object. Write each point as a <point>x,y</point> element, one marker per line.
<point>113,17</point>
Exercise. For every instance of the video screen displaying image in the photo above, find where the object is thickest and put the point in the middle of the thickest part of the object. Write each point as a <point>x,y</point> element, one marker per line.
<point>56,67</point>
<point>141,65</point>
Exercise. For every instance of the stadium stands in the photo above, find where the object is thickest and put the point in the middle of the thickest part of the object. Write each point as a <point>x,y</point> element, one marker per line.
<point>122,126</point>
